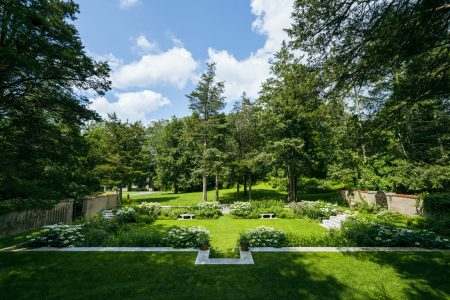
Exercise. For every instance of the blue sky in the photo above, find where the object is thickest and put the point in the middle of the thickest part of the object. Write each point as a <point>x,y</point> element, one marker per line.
<point>157,49</point>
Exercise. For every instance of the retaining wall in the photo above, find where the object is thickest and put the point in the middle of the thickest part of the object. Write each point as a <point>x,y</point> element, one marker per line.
<point>407,205</point>
<point>18,222</point>
<point>94,205</point>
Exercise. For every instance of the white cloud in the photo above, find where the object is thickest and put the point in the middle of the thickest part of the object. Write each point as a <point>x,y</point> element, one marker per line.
<point>145,46</point>
<point>131,106</point>
<point>248,74</point>
<point>128,3</point>
<point>175,66</point>
<point>240,75</point>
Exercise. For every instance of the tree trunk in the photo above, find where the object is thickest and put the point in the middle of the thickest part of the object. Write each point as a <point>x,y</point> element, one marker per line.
<point>120,193</point>
<point>249,187</point>
<point>205,190</point>
<point>237,192</point>
<point>175,186</point>
<point>245,185</point>
<point>292,184</point>
<point>217,188</point>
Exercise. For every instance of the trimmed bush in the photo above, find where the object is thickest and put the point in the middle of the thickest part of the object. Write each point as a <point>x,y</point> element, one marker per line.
<point>126,214</point>
<point>187,237</point>
<point>264,236</point>
<point>57,236</point>
<point>437,204</point>
<point>316,210</point>
<point>149,208</point>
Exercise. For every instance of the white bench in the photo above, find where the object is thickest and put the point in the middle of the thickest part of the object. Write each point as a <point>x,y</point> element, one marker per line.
<point>107,214</point>
<point>267,216</point>
<point>186,217</point>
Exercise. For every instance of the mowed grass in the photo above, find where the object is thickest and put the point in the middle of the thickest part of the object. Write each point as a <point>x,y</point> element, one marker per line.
<point>225,230</point>
<point>95,275</point>
<point>259,192</point>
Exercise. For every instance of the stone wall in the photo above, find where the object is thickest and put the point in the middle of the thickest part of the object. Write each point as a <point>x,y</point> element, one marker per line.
<point>94,205</point>
<point>407,205</point>
<point>18,222</point>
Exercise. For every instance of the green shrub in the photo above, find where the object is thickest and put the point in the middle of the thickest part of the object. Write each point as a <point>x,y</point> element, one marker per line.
<point>391,217</point>
<point>437,205</point>
<point>95,237</point>
<point>144,219</point>
<point>187,237</point>
<point>362,232</point>
<point>56,236</point>
<point>364,207</point>
<point>316,210</point>
<point>332,239</point>
<point>264,236</point>
<point>133,236</point>
<point>173,213</point>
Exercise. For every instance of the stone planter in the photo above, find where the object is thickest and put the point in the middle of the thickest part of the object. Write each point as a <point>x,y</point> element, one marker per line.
<point>204,247</point>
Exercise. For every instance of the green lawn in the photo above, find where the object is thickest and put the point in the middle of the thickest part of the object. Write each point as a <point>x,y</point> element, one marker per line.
<point>274,276</point>
<point>261,191</point>
<point>225,230</point>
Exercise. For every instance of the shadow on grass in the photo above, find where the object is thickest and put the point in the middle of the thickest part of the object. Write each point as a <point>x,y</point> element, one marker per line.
<point>257,194</point>
<point>427,274</point>
<point>159,276</point>
<point>154,199</point>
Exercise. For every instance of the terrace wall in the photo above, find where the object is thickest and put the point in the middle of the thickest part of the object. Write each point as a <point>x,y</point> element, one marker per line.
<point>94,205</point>
<point>408,205</point>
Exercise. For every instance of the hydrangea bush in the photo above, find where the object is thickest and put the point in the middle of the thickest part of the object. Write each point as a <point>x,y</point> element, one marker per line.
<point>57,236</point>
<point>241,209</point>
<point>126,214</point>
<point>316,210</point>
<point>207,210</point>
<point>264,236</point>
<point>187,237</point>
<point>363,232</point>
<point>150,208</point>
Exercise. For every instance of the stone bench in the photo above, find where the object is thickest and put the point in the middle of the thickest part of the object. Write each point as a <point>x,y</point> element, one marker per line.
<point>107,214</point>
<point>267,216</point>
<point>186,217</point>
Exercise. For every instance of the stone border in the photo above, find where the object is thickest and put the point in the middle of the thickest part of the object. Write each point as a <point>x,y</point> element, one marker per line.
<point>345,249</point>
<point>112,249</point>
<point>245,258</point>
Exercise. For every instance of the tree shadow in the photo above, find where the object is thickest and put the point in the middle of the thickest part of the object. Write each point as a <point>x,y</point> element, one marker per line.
<point>427,273</point>
<point>257,194</point>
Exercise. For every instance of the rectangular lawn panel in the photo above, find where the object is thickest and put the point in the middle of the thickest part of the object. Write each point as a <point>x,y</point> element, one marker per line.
<point>274,276</point>
<point>225,230</point>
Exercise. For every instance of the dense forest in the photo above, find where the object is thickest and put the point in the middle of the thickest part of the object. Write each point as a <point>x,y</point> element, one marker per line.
<point>358,98</point>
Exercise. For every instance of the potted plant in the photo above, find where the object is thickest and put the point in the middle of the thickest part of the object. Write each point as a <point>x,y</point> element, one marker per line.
<point>203,241</point>
<point>244,243</point>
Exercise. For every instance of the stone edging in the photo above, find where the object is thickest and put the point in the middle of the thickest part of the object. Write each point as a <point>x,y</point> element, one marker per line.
<point>345,249</point>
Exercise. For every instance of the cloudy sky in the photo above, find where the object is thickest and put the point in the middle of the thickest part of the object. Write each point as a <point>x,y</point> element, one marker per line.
<point>157,49</point>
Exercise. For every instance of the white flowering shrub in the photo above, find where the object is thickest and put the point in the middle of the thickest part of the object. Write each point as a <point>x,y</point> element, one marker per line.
<point>126,214</point>
<point>264,236</point>
<point>316,210</point>
<point>149,208</point>
<point>187,237</point>
<point>57,236</point>
<point>363,232</point>
<point>241,209</point>
<point>207,210</point>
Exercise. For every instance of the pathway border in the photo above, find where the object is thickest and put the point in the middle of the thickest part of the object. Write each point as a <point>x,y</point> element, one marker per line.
<point>345,249</point>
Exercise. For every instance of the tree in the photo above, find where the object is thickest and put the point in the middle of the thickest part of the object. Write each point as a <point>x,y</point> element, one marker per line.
<point>294,117</point>
<point>121,150</point>
<point>206,100</point>
<point>43,71</point>
<point>398,46</point>
<point>247,138</point>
